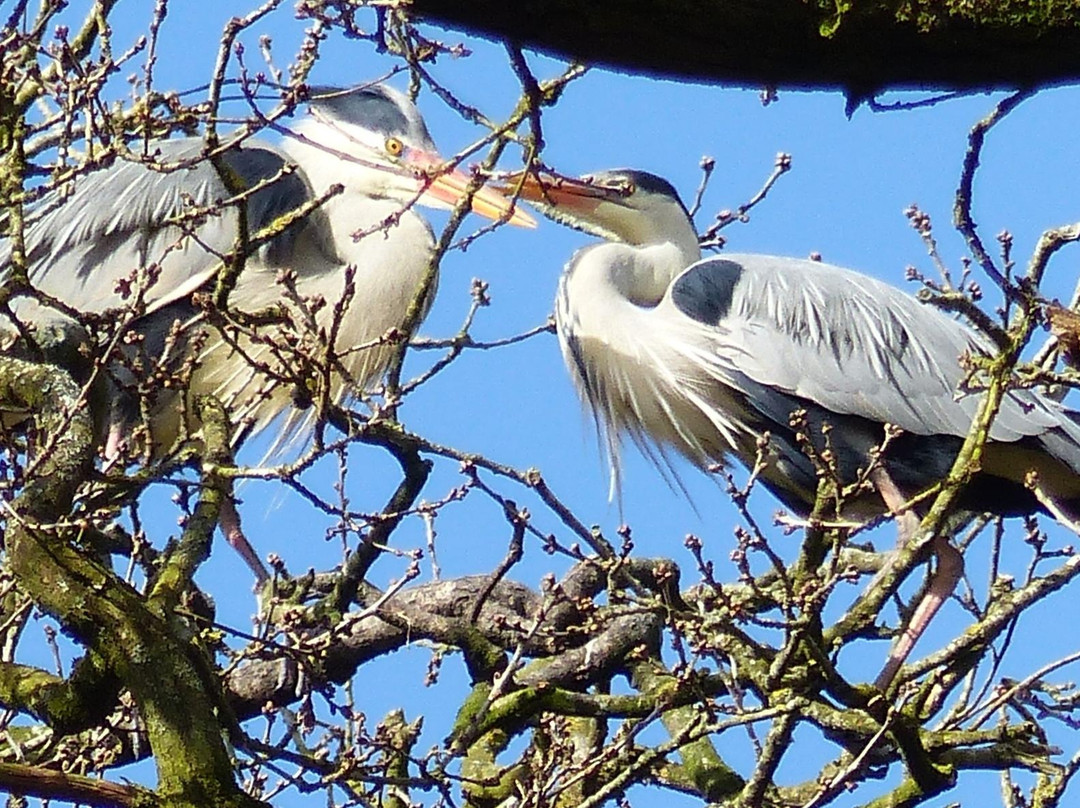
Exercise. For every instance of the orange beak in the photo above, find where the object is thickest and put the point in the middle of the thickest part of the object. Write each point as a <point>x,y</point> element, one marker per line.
<point>554,190</point>
<point>450,186</point>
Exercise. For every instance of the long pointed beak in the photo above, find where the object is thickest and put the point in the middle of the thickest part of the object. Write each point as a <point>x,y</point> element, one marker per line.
<point>554,191</point>
<point>451,186</point>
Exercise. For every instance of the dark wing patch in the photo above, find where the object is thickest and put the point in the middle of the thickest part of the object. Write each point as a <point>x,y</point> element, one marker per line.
<point>255,164</point>
<point>705,291</point>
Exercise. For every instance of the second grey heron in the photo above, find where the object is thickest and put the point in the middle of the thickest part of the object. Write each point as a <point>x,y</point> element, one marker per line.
<point>137,241</point>
<point>706,356</point>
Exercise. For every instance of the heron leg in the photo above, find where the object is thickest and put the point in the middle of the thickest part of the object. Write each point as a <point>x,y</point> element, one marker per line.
<point>229,519</point>
<point>950,567</point>
<point>906,520</point>
<point>114,445</point>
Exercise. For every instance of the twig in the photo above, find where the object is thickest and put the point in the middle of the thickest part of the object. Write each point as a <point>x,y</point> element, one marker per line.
<point>711,237</point>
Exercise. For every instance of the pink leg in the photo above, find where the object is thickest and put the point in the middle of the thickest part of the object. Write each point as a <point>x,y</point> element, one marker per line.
<point>229,519</point>
<point>950,567</point>
<point>114,444</point>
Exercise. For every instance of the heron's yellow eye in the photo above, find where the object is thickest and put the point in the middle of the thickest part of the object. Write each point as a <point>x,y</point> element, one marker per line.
<point>394,147</point>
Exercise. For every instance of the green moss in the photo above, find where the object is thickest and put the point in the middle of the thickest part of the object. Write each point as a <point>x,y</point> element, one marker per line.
<point>1035,16</point>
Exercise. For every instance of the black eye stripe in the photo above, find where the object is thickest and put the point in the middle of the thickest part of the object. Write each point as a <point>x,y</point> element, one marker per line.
<point>376,108</point>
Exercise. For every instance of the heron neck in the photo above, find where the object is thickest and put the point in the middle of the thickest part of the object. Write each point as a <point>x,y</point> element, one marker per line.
<point>643,256</point>
<point>665,229</point>
<point>640,275</point>
<point>362,227</point>
<point>645,279</point>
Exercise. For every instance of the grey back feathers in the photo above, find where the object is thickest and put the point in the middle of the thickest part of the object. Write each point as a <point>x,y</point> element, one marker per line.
<point>849,343</point>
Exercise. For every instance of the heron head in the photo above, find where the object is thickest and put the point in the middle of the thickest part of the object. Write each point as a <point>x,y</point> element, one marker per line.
<point>373,139</point>
<point>622,204</point>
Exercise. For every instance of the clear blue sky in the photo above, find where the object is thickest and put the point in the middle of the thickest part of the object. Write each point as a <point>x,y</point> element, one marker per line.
<point>845,197</point>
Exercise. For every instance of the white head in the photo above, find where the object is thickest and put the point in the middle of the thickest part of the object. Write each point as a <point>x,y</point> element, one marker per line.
<point>624,205</point>
<point>373,140</point>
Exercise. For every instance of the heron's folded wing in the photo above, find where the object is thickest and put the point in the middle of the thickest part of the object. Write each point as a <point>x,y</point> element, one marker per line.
<point>85,246</point>
<point>845,342</point>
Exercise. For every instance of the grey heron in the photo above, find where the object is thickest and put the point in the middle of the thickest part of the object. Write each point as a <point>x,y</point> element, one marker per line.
<point>136,243</point>
<point>704,356</point>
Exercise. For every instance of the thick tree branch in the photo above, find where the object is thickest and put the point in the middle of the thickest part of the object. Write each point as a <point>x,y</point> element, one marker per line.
<point>47,784</point>
<point>862,49</point>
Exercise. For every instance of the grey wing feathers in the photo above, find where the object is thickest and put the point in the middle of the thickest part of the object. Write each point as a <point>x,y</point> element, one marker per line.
<point>81,245</point>
<point>847,343</point>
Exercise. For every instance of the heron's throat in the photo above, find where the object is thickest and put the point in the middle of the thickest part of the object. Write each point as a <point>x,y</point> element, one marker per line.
<point>642,275</point>
<point>662,224</point>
